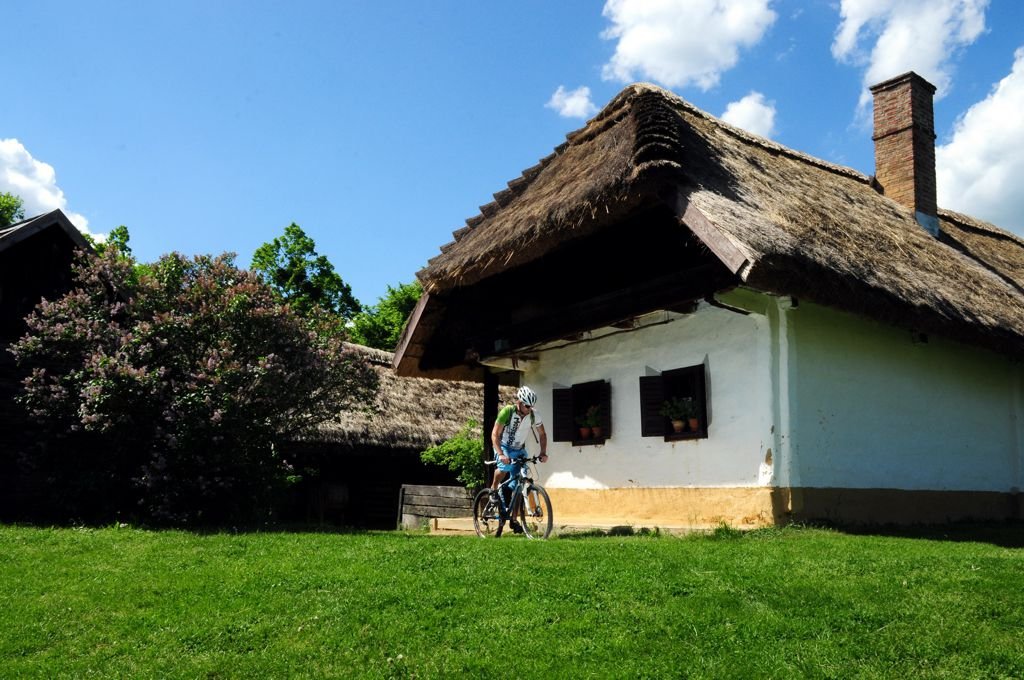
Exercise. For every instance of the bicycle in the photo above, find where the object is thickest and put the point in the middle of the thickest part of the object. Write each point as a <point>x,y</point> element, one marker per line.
<point>528,503</point>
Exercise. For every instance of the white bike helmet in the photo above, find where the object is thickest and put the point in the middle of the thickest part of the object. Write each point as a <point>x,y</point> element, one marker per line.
<point>526,395</point>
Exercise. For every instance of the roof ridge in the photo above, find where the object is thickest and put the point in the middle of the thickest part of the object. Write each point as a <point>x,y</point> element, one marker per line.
<point>970,222</point>
<point>757,140</point>
<point>610,115</point>
<point>24,222</point>
<point>372,354</point>
<point>19,231</point>
<point>964,219</point>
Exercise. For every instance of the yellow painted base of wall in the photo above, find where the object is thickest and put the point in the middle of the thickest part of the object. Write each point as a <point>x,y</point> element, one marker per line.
<point>672,507</point>
<point>747,508</point>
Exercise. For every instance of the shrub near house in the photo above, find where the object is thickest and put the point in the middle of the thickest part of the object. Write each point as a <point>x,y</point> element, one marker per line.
<point>160,392</point>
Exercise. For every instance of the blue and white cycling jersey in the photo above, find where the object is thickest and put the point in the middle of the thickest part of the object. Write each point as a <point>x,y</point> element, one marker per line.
<point>516,426</point>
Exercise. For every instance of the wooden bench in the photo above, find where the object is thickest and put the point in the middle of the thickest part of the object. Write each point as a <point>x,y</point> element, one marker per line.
<point>418,504</point>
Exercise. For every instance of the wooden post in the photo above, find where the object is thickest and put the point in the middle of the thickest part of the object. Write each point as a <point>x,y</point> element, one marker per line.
<point>490,416</point>
<point>401,506</point>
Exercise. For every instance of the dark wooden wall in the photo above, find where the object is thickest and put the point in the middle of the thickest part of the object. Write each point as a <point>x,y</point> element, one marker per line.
<point>38,267</point>
<point>356,487</point>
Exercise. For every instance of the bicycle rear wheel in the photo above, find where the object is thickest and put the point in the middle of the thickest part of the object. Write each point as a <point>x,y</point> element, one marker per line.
<point>534,512</point>
<point>486,516</point>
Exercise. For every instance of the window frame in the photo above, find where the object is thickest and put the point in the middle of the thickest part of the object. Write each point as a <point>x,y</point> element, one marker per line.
<point>570,403</point>
<point>688,381</point>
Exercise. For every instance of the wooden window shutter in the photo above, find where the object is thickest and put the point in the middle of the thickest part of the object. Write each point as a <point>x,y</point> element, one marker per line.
<point>652,394</point>
<point>606,410</point>
<point>562,429</point>
<point>700,390</point>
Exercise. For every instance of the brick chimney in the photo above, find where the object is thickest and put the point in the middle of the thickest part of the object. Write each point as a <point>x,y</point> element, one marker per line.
<point>905,145</point>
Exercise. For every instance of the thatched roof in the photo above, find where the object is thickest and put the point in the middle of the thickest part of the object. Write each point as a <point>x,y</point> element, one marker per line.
<point>781,221</point>
<point>409,413</point>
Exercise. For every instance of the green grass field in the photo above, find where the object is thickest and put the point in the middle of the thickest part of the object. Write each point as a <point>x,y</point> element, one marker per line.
<point>775,603</point>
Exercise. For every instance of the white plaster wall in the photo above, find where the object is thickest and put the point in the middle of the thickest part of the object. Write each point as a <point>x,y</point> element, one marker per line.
<point>872,408</point>
<point>738,350</point>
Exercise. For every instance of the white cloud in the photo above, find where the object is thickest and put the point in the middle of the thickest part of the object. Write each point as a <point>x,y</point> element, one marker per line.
<point>681,42</point>
<point>752,113</point>
<point>908,35</point>
<point>575,104</point>
<point>979,171</point>
<point>34,181</point>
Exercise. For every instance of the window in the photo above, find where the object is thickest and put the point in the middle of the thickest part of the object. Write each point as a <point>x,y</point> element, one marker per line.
<point>686,388</point>
<point>582,413</point>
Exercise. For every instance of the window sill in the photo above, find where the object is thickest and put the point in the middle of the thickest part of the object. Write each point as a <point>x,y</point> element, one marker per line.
<point>589,442</point>
<point>682,436</point>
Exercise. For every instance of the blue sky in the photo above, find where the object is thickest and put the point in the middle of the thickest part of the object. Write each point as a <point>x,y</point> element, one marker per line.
<point>379,127</point>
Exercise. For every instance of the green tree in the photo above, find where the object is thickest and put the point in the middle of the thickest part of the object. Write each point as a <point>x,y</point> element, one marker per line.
<point>163,392</point>
<point>11,209</point>
<point>303,278</point>
<point>381,326</point>
<point>117,244</point>
<point>118,240</point>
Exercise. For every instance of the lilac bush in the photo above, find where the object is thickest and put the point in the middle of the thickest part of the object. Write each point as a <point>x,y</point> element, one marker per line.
<point>169,385</point>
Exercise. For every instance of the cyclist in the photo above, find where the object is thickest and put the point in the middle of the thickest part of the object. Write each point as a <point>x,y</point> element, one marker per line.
<point>509,436</point>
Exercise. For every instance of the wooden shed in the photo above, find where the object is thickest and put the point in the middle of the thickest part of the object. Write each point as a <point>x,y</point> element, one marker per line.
<point>35,263</point>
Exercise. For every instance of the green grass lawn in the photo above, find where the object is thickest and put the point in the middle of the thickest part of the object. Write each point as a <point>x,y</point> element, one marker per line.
<point>776,603</point>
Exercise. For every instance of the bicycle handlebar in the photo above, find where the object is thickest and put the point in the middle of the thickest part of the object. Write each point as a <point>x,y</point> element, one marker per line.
<point>533,459</point>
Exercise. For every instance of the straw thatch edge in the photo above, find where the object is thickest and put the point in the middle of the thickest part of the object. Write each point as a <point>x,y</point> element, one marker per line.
<point>409,413</point>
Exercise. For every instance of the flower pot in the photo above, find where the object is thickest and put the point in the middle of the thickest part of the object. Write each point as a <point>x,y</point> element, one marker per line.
<point>677,425</point>
<point>596,431</point>
<point>694,424</point>
<point>584,433</point>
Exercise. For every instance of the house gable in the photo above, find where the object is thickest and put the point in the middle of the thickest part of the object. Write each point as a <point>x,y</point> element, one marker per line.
<point>35,262</point>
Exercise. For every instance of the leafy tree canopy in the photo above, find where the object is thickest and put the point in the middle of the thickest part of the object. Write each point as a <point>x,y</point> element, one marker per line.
<point>167,388</point>
<point>303,278</point>
<point>381,326</point>
<point>118,240</point>
<point>116,243</point>
<point>11,209</point>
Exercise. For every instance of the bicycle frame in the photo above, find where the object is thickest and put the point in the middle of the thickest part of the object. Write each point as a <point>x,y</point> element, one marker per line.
<point>529,513</point>
<point>516,483</point>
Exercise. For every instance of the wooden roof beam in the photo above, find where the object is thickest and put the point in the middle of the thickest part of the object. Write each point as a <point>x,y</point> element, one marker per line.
<point>714,238</point>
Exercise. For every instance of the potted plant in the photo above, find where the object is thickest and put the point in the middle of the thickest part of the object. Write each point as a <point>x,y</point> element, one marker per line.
<point>590,422</point>
<point>681,411</point>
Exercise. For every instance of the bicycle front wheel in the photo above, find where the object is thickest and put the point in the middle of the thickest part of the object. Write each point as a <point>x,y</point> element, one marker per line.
<point>534,512</point>
<point>486,516</point>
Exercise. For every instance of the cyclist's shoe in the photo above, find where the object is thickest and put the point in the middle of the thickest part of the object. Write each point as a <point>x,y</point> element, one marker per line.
<point>515,526</point>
